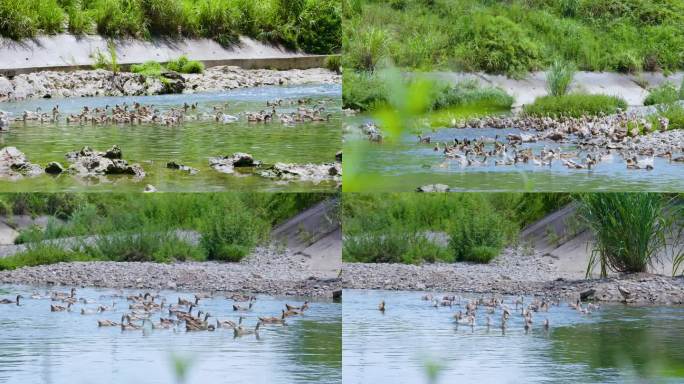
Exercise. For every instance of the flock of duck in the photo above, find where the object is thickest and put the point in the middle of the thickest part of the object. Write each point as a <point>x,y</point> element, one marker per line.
<point>139,114</point>
<point>496,312</point>
<point>140,310</point>
<point>595,139</point>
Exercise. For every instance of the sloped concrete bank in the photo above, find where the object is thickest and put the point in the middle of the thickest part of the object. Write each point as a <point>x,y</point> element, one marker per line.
<point>306,262</point>
<point>632,87</point>
<point>66,52</point>
<point>551,261</point>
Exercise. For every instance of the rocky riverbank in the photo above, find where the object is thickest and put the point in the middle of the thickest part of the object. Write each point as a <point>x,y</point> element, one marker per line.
<point>50,84</point>
<point>267,270</point>
<point>515,272</point>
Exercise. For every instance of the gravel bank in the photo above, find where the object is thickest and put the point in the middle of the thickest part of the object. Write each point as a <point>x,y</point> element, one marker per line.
<point>268,271</point>
<point>50,84</point>
<point>515,272</point>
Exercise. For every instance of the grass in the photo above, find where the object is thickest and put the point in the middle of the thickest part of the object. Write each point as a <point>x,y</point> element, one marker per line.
<point>559,77</point>
<point>630,229</point>
<point>368,91</point>
<point>180,65</point>
<point>395,227</point>
<point>575,105</point>
<point>231,225</point>
<point>314,26</point>
<point>674,113</point>
<point>665,93</point>
<point>515,36</point>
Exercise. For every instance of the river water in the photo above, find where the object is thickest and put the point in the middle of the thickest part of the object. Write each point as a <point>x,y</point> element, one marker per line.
<point>191,143</point>
<point>615,344</point>
<point>39,346</point>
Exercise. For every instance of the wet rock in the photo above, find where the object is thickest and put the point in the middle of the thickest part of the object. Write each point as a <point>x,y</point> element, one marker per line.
<point>14,164</point>
<point>227,164</point>
<point>338,156</point>
<point>433,188</point>
<point>113,153</point>
<point>304,172</point>
<point>587,294</point>
<point>4,121</point>
<point>54,168</point>
<point>181,167</point>
<point>6,88</point>
<point>149,188</point>
<point>88,162</point>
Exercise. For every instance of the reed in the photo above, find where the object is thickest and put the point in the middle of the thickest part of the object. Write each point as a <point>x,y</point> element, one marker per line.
<point>631,230</point>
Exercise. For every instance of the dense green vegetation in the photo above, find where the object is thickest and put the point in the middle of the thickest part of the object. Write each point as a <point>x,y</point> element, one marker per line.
<point>515,36</point>
<point>665,93</point>
<point>559,77</point>
<point>369,91</point>
<point>180,65</point>
<point>631,229</point>
<point>314,26</point>
<point>575,105</point>
<point>395,227</point>
<point>144,227</point>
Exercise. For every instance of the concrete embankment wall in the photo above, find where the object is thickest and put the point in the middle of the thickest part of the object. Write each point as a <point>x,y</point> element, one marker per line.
<point>525,90</point>
<point>68,52</point>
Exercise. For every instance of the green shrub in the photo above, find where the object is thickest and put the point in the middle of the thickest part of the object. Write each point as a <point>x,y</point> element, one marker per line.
<point>230,227</point>
<point>230,253</point>
<point>496,44</point>
<point>40,255</point>
<point>575,105</point>
<point>362,91</point>
<point>478,233</point>
<point>148,244</point>
<point>630,229</point>
<point>148,68</point>
<point>470,93</point>
<point>50,16</point>
<point>674,113</point>
<point>333,63</point>
<point>320,29</point>
<point>367,49</point>
<point>115,18</point>
<point>80,22</point>
<point>559,77</point>
<point>184,65</point>
<point>664,93</point>
<point>17,19</point>
<point>164,17</point>
<point>395,246</point>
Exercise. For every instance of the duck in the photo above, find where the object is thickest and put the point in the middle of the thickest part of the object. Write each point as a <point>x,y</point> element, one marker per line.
<point>107,323</point>
<point>381,306</point>
<point>129,326</point>
<point>302,308</point>
<point>240,331</point>
<point>273,320</point>
<point>227,323</point>
<point>59,308</point>
<point>243,309</point>
<point>15,301</point>
<point>291,312</point>
<point>85,311</point>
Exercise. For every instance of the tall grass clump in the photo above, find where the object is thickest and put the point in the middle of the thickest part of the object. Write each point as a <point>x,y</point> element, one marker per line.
<point>663,94</point>
<point>144,245</point>
<point>367,49</point>
<point>559,77</point>
<point>17,19</point>
<point>471,93</point>
<point>41,254</point>
<point>185,65</point>
<point>229,234</point>
<point>575,105</point>
<point>363,91</point>
<point>631,230</point>
<point>116,18</point>
<point>674,113</point>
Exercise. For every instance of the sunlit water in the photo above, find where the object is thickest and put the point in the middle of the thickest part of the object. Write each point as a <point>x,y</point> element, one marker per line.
<point>39,346</point>
<point>406,165</point>
<point>615,344</point>
<point>192,143</point>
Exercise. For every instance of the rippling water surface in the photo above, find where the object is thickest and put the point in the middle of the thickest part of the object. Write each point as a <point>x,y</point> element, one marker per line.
<point>192,143</point>
<point>39,346</point>
<point>406,165</point>
<point>615,344</point>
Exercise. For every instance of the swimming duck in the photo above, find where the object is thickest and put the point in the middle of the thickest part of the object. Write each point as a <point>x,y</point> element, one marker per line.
<point>381,307</point>
<point>107,323</point>
<point>59,308</point>
<point>8,301</point>
<point>240,331</point>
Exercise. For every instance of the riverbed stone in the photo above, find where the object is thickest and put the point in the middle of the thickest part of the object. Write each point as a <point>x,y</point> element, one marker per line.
<point>54,168</point>
<point>227,164</point>
<point>14,164</point>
